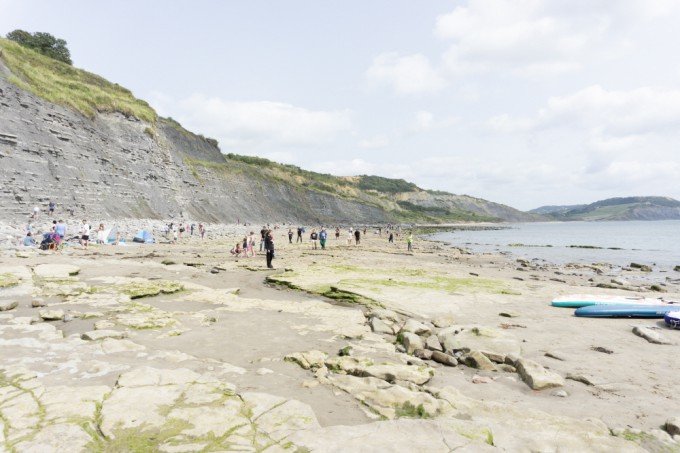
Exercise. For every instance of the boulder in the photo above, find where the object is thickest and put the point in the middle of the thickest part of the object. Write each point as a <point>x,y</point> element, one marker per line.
<point>432,343</point>
<point>537,377</point>
<point>307,360</point>
<point>51,315</point>
<point>390,372</point>
<point>6,305</point>
<point>416,327</point>
<point>444,359</point>
<point>476,359</point>
<point>380,326</point>
<point>411,342</point>
<point>38,303</point>
<point>385,315</point>
<point>443,321</point>
<point>423,354</point>
<point>651,335</point>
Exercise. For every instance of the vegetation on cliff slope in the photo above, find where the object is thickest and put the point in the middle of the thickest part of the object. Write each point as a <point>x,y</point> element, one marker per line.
<point>44,43</point>
<point>381,193</point>
<point>60,83</point>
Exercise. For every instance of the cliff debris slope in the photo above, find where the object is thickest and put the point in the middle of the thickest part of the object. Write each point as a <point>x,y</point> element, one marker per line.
<point>71,136</point>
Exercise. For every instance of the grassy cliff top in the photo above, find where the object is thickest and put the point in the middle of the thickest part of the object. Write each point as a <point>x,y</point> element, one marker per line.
<point>65,85</point>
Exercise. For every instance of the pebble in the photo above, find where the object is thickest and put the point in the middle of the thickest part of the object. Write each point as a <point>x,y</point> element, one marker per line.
<point>263,371</point>
<point>560,393</point>
<point>481,379</point>
<point>7,305</point>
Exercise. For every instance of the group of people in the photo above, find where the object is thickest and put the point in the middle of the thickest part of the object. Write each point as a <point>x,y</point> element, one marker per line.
<point>53,238</point>
<point>174,231</point>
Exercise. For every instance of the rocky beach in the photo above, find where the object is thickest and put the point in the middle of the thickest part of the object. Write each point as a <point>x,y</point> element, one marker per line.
<point>182,347</point>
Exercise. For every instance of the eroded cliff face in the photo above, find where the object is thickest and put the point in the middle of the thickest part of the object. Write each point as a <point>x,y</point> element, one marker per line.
<point>114,166</point>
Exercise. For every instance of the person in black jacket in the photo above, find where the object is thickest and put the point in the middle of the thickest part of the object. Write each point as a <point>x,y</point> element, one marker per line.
<point>269,248</point>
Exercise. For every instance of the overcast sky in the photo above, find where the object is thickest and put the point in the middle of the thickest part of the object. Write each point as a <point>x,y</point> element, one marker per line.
<point>522,102</point>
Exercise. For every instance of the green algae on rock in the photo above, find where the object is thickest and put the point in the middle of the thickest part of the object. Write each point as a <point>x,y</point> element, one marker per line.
<point>137,290</point>
<point>8,280</point>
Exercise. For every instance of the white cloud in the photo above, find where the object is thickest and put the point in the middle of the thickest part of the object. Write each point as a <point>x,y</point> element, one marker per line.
<point>426,121</point>
<point>379,141</point>
<point>613,118</point>
<point>256,124</point>
<point>410,74</point>
<point>522,36</point>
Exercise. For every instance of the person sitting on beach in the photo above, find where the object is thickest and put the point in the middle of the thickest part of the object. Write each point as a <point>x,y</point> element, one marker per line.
<point>28,240</point>
<point>236,251</point>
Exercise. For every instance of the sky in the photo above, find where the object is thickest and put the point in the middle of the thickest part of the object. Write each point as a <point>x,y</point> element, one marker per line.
<point>524,102</point>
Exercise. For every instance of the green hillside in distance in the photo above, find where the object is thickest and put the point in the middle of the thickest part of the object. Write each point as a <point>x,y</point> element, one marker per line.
<point>622,208</point>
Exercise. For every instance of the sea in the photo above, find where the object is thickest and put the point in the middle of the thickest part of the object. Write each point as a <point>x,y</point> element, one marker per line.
<point>655,243</point>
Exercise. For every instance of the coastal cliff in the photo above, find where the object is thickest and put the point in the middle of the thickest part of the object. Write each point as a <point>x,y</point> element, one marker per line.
<point>70,136</point>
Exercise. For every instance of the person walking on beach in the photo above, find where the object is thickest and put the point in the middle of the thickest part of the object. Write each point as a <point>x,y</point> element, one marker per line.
<point>337,233</point>
<point>201,230</point>
<point>314,237</point>
<point>299,234</point>
<point>323,235</point>
<point>290,235</point>
<point>390,239</point>
<point>409,242</point>
<point>357,236</point>
<point>269,247</point>
<point>36,212</point>
<point>84,233</point>
<point>51,207</point>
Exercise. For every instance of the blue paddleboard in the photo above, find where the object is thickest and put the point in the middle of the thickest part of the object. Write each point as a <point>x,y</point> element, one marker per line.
<point>672,319</point>
<point>584,300</point>
<point>625,311</point>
